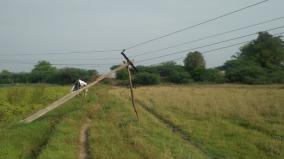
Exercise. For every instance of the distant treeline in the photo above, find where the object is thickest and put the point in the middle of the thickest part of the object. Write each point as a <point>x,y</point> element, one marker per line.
<point>44,72</point>
<point>260,61</point>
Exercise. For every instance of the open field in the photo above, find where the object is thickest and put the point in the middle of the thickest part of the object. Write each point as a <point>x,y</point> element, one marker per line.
<point>200,121</point>
<point>17,101</point>
<point>225,121</point>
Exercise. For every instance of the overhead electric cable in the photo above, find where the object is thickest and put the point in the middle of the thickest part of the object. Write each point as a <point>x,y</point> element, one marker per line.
<point>56,64</point>
<point>216,49</point>
<point>61,53</point>
<point>207,37</point>
<point>193,26</point>
<point>207,45</point>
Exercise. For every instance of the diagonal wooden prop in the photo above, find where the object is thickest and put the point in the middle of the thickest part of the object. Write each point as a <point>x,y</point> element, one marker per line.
<point>69,96</point>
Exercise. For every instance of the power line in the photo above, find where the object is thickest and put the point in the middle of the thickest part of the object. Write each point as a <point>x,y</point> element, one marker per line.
<point>207,45</point>
<point>72,59</point>
<point>62,53</point>
<point>56,64</point>
<point>142,43</point>
<point>220,48</point>
<point>193,26</point>
<point>207,37</point>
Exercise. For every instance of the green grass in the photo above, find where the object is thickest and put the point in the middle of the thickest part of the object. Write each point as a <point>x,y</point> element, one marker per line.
<point>19,101</point>
<point>63,143</point>
<point>227,121</point>
<point>209,121</point>
<point>53,136</point>
<point>116,133</point>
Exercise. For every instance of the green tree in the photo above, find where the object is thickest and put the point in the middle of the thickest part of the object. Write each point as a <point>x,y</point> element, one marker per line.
<point>208,75</point>
<point>21,77</point>
<point>145,78</point>
<point>266,50</point>
<point>121,74</point>
<point>194,60</point>
<point>258,62</point>
<point>6,77</point>
<point>244,71</point>
<point>42,72</point>
<point>171,72</point>
<point>179,77</point>
<point>70,75</point>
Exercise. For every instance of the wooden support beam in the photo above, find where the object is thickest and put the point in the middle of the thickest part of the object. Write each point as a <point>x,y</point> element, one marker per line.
<point>69,96</point>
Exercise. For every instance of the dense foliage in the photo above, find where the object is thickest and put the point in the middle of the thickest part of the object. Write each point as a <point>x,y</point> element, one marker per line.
<point>44,72</point>
<point>145,78</point>
<point>194,60</point>
<point>260,61</point>
<point>168,72</point>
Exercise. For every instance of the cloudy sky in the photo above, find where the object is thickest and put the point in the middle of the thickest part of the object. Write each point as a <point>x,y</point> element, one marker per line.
<point>66,32</point>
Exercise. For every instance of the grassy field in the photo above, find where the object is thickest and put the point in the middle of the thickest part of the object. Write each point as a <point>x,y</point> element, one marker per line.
<point>200,121</point>
<point>225,121</point>
<point>18,101</point>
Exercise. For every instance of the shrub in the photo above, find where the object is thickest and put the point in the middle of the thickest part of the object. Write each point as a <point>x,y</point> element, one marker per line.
<point>179,77</point>
<point>276,76</point>
<point>69,75</point>
<point>145,78</point>
<point>208,75</point>
<point>122,75</point>
<point>245,72</point>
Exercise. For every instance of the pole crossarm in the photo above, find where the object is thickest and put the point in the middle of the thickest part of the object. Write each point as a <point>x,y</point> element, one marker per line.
<point>69,96</point>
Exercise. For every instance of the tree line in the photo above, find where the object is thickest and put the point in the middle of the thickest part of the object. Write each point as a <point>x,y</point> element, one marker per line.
<point>44,72</point>
<point>261,61</point>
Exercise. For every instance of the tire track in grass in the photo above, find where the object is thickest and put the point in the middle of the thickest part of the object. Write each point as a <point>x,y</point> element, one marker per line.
<point>53,123</point>
<point>249,126</point>
<point>84,143</point>
<point>38,149</point>
<point>174,128</point>
<point>84,140</point>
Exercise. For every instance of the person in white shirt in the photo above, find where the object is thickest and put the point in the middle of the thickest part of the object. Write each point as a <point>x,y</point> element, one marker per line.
<point>78,85</point>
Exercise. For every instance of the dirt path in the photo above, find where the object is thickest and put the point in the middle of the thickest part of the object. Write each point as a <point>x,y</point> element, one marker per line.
<point>84,145</point>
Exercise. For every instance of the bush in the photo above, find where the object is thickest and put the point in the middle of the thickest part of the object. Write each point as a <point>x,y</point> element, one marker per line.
<point>21,77</point>
<point>276,76</point>
<point>145,78</point>
<point>208,75</point>
<point>149,69</point>
<point>5,77</point>
<point>122,75</point>
<point>181,77</point>
<point>173,73</point>
<point>69,75</point>
<point>245,72</point>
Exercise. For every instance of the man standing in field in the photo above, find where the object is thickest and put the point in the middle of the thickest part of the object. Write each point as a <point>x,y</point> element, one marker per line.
<point>78,85</point>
